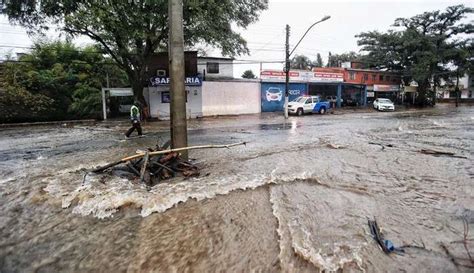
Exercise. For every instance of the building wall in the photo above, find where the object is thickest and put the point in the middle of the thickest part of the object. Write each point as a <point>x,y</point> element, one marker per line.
<point>394,78</point>
<point>161,110</point>
<point>273,95</point>
<point>226,68</point>
<point>160,61</point>
<point>230,97</point>
<point>360,78</point>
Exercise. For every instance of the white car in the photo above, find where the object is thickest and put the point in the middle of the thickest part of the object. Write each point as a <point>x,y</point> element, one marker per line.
<point>384,104</point>
<point>308,104</point>
<point>274,94</point>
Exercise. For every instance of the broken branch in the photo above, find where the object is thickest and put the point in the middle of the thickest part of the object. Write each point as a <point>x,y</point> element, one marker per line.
<point>140,155</point>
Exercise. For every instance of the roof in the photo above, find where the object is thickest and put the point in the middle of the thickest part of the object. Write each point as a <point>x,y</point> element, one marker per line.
<point>215,58</point>
<point>372,70</point>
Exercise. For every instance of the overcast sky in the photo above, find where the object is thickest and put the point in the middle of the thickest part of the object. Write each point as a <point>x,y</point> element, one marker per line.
<point>266,38</point>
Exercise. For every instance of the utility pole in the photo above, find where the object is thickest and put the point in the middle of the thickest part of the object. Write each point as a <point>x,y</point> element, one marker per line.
<point>287,68</point>
<point>287,58</point>
<point>179,134</point>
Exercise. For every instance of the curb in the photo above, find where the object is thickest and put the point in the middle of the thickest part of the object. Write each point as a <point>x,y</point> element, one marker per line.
<point>45,123</point>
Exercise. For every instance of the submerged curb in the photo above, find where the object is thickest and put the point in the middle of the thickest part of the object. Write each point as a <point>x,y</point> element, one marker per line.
<point>66,122</point>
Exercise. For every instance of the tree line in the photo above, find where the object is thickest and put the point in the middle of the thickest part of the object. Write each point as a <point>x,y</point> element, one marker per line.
<point>56,81</point>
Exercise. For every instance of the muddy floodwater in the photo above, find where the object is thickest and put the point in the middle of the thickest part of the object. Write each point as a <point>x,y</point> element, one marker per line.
<point>296,198</point>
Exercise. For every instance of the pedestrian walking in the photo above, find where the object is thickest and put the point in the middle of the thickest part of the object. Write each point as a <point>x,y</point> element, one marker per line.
<point>135,119</point>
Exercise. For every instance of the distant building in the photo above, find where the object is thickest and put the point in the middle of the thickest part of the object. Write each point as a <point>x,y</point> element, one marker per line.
<point>448,90</point>
<point>215,68</point>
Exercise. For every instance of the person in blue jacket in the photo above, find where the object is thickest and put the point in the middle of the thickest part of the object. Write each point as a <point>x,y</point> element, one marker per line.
<point>135,119</point>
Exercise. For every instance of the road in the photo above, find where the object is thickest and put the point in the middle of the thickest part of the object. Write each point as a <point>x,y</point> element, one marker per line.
<point>296,198</point>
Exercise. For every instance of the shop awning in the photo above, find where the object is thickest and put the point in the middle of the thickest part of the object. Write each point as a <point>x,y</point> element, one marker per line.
<point>386,88</point>
<point>119,92</point>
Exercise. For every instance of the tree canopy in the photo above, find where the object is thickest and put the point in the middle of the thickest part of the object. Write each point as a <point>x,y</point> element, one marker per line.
<point>56,80</point>
<point>335,60</point>
<point>426,47</point>
<point>248,74</point>
<point>319,61</point>
<point>301,62</point>
<point>131,31</point>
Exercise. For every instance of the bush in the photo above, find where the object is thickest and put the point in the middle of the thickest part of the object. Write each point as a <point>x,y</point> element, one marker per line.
<point>19,105</point>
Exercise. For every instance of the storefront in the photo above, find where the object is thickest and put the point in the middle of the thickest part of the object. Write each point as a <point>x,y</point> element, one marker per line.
<point>158,96</point>
<point>391,92</point>
<point>273,88</point>
<point>354,95</point>
<point>273,94</point>
<point>327,85</point>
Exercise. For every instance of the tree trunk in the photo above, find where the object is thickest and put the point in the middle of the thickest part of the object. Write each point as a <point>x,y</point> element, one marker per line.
<point>137,83</point>
<point>422,90</point>
<point>457,89</point>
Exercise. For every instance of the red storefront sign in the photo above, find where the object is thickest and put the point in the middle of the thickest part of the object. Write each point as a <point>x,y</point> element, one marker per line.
<point>386,88</point>
<point>328,77</point>
<point>302,76</point>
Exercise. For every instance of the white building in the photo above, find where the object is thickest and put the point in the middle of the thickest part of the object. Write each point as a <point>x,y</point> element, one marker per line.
<point>466,88</point>
<point>215,68</point>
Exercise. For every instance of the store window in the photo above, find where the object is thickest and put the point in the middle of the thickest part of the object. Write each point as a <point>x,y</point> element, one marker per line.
<point>213,68</point>
<point>381,78</point>
<point>374,77</point>
<point>352,75</point>
<point>366,77</point>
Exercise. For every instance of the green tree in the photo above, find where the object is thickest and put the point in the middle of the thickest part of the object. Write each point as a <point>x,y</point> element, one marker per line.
<point>301,62</point>
<point>319,61</point>
<point>423,47</point>
<point>63,80</point>
<point>335,60</point>
<point>130,31</point>
<point>248,74</point>
<point>19,105</point>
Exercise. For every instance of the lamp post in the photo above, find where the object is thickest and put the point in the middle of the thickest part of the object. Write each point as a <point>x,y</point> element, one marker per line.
<point>287,58</point>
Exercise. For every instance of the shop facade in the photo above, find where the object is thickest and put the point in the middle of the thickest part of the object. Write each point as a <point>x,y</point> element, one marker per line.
<point>158,97</point>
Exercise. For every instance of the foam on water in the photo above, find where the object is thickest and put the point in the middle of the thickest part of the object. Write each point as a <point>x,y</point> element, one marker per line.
<point>103,200</point>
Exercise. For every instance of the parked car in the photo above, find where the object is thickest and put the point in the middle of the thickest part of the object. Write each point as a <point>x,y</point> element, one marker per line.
<point>308,104</point>
<point>333,99</point>
<point>384,104</point>
<point>351,102</point>
<point>274,94</point>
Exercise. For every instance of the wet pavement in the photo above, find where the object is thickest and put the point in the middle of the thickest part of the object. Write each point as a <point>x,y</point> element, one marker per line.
<point>295,199</point>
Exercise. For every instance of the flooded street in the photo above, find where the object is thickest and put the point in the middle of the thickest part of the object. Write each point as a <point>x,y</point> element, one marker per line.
<point>296,198</point>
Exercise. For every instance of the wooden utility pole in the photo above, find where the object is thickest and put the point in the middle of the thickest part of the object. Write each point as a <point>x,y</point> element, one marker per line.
<point>287,68</point>
<point>179,137</point>
<point>457,87</point>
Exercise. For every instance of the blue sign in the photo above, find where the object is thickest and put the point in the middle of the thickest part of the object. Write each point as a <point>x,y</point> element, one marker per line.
<point>188,81</point>
<point>273,95</point>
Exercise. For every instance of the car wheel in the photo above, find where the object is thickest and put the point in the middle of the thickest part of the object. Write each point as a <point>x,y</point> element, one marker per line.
<point>299,112</point>
<point>322,110</point>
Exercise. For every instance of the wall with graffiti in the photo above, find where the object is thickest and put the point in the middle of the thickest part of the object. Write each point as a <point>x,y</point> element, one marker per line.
<point>273,95</point>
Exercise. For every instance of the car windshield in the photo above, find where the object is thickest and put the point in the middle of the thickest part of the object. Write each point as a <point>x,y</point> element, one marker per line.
<point>385,100</point>
<point>300,99</point>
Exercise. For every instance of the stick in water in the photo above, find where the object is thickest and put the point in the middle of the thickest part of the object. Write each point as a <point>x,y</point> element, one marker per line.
<point>125,159</point>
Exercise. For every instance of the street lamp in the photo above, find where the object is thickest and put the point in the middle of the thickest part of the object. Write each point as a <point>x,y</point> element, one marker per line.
<point>288,54</point>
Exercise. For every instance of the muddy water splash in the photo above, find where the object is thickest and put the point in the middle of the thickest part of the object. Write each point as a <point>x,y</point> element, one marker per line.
<point>296,199</point>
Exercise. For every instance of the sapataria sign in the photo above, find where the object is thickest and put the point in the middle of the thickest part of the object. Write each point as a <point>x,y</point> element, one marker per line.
<point>189,81</point>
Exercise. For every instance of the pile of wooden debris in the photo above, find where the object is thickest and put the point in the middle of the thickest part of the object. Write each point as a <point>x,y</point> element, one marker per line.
<point>154,165</point>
